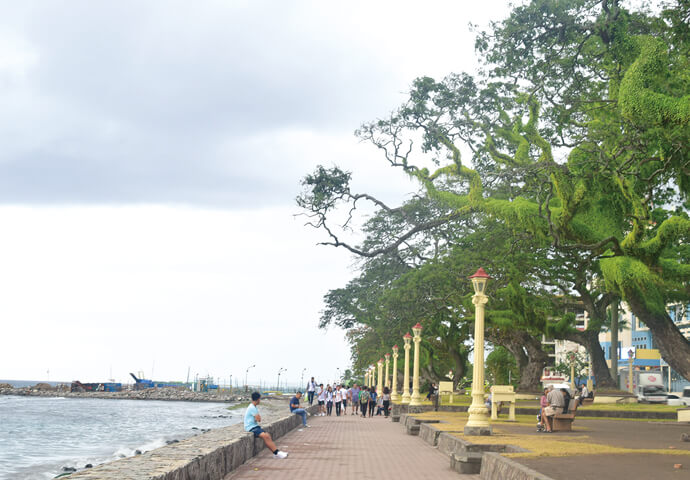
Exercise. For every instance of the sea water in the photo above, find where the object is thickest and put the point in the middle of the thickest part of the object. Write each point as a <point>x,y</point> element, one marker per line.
<point>39,436</point>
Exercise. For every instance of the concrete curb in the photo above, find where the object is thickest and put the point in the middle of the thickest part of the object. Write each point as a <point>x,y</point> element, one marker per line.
<point>399,410</point>
<point>498,467</point>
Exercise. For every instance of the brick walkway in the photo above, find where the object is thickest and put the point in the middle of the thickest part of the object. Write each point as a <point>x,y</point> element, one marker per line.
<point>350,447</point>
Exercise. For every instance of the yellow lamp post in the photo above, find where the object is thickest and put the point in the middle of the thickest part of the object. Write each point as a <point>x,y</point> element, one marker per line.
<point>379,385</point>
<point>478,421</point>
<point>395,397</point>
<point>406,373</point>
<point>572,371</point>
<point>631,356</point>
<point>366,378</point>
<point>386,379</point>
<point>590,383</point>
<point>371,376</point>
<point>416,398</point>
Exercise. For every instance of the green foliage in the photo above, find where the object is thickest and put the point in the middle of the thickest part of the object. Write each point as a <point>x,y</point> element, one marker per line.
<point>579,126</point>
<point>501,367</point>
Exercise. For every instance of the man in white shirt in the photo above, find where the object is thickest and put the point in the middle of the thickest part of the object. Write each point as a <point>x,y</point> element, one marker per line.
<point>584,393</point>
<point>311,390</point>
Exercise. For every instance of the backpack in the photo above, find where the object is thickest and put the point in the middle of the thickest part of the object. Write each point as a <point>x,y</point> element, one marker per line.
<point>363,396</point>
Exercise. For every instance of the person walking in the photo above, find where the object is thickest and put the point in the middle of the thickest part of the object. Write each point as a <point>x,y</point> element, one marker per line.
<point>372,401</point>
<point>329,400</point>
<point>346,397</point>
<point>338,400</point>
<point>311,390</point>
<point>364,400</point>
<point>386,400</point>
<point>354,397</point>
<point>251,424</point>
<point>321,397</point>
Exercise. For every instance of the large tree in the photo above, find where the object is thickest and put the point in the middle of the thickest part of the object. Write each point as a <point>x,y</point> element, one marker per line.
<point>578,128</point>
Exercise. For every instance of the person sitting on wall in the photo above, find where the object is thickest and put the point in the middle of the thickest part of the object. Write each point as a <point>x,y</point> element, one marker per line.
<point>294,408</point>
<point>251,424</point>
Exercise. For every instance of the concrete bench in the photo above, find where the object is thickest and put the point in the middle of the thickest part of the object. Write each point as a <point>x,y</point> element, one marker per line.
<point>499,394</point>
<point>563,422</point>
<point>445,388</point>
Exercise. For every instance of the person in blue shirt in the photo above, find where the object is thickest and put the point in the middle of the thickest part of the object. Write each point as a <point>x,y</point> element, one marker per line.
<point>294,408</point>
<point>251,424</point>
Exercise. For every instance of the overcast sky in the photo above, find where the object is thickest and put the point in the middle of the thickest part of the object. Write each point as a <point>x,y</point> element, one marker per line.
<point>150,154</point>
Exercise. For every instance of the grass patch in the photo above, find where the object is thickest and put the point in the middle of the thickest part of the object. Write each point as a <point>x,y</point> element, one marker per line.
<point>561,447</point>
<point>538,446</point>
<point>630,407</point>
<point>238,406</point>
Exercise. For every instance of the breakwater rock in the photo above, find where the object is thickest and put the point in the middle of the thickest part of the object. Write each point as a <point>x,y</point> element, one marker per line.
<point>167,393</point>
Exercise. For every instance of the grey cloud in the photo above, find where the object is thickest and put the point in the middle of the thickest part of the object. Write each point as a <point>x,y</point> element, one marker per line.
<point>129,102</point>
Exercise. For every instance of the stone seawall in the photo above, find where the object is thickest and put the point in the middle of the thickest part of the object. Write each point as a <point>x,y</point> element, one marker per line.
<point>210,456</point>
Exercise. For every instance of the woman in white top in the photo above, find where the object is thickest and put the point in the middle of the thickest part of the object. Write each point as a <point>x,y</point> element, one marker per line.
<point>329,400</point>
<point>322,400</point>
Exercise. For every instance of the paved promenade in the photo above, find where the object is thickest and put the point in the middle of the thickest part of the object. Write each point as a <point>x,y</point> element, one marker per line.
<point>350,447</point>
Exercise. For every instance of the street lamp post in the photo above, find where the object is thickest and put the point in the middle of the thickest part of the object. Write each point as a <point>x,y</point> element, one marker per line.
<point>478,421</point>
<point>279,372</point>
<point>386,379</point>
<point>395,397</point>
<point>416,398</point>
<point>246,375</point>
<point>302,380</point>
<point>366,378</point>
<point>572,371</point>
<point>406,374</point>
<point>631,356</point>
<point>379,385</point>
<point>337,376</point>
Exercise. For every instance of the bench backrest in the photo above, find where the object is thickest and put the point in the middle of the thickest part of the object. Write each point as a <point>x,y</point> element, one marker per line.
<point>502,393</point>
<point>572,406</point>
<point>445,387</point>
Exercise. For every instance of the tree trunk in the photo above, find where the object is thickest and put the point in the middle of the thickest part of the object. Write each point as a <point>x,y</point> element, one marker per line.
<point>590,340</point>
<point>528,353</point>
<point>530,375</point>
<point>614,340</point>
<point>459,361</point>
<point>674,347</point>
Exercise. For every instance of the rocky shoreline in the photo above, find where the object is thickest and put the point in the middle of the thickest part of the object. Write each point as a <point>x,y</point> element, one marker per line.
<point>167,394</point>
